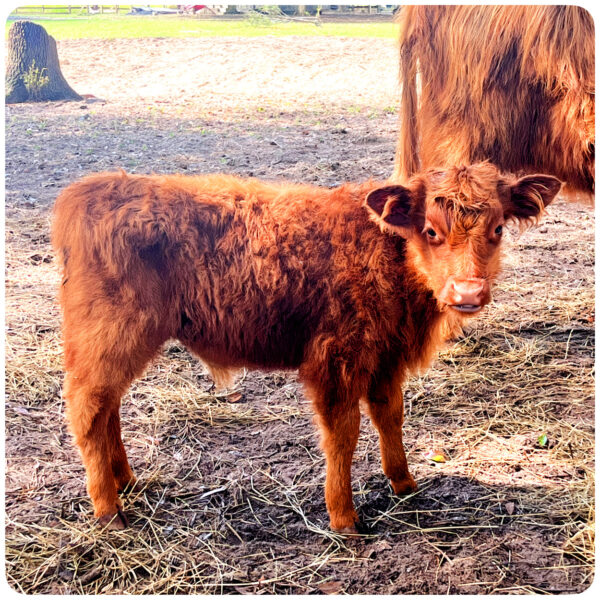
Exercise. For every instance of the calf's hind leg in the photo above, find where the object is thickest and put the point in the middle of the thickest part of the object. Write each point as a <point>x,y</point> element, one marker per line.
<point>95,382</point>
<point>89,410</point>
<point>122,473</point>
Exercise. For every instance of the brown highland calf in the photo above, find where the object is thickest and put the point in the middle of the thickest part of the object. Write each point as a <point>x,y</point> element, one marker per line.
<point>509,84</point>
<point>354,286</point>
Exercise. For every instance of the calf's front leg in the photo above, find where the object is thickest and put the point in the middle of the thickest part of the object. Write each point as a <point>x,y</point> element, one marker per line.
<point>386,409</point>
<point>339,424</point>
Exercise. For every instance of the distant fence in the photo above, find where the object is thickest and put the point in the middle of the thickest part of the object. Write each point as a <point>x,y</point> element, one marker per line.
<point>55,9</point>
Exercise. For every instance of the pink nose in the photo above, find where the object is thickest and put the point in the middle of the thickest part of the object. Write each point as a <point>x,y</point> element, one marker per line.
<point>473,292</point>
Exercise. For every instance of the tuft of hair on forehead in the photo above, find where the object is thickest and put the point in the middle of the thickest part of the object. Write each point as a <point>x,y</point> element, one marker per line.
<point>465,189</point>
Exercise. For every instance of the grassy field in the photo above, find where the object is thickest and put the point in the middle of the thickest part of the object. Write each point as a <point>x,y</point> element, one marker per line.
<point>68,27</point>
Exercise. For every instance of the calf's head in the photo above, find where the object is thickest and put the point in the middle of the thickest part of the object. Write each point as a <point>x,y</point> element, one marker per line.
<point>453,220</point>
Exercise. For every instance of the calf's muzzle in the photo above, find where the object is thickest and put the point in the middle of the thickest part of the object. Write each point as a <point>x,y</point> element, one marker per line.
<point>466,295</point>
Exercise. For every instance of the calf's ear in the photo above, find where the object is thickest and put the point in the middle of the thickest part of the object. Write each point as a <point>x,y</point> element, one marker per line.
<point>392,207</point>
<point>530,195</point>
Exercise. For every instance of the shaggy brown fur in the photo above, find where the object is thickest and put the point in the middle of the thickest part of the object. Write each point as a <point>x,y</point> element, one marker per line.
<point>347,285</point>
<point>509,84</point>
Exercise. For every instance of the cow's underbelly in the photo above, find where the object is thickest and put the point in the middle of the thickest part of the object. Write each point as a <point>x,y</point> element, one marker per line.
<point>256,338</point>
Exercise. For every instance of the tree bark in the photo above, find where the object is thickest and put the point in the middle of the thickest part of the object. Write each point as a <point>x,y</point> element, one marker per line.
<point>29,44</point>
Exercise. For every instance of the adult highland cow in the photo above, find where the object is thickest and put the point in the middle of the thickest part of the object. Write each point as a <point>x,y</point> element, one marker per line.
<point>509,84</point>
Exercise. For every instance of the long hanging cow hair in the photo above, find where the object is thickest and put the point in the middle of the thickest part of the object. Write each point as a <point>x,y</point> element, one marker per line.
<point>509,84</point>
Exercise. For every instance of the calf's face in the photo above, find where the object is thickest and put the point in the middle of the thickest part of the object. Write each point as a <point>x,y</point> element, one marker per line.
<point>453,222</point>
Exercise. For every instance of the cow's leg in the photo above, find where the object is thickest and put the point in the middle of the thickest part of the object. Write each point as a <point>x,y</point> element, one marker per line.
<point>339,422</point>
<point>122,473</point>
<point>99,371</point>
<point>386,409</point>
<point>89,410</point>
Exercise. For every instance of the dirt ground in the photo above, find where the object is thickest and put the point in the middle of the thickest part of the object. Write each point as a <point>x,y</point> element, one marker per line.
<point>232,498</point>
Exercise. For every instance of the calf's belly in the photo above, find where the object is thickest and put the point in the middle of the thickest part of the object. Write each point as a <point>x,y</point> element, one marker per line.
<point>253,339</point>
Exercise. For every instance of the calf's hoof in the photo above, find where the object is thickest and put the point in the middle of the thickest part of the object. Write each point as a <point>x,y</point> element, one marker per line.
<point>346,524</point>
<point>405,486</point>
<point>350,530</point>
<point>114,521</point>
<point>358,528</point>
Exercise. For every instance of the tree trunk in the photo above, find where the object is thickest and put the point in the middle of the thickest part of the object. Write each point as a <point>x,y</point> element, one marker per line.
<point>32,68</point>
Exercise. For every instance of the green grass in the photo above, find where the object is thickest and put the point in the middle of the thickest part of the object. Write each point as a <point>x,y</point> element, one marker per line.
<point>69,27</point>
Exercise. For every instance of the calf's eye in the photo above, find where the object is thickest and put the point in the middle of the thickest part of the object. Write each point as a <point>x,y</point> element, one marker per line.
<point>498,230</point>
<point>431,233</point>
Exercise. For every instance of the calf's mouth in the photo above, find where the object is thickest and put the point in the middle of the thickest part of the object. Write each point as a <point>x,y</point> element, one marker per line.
<point>467,308</point>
